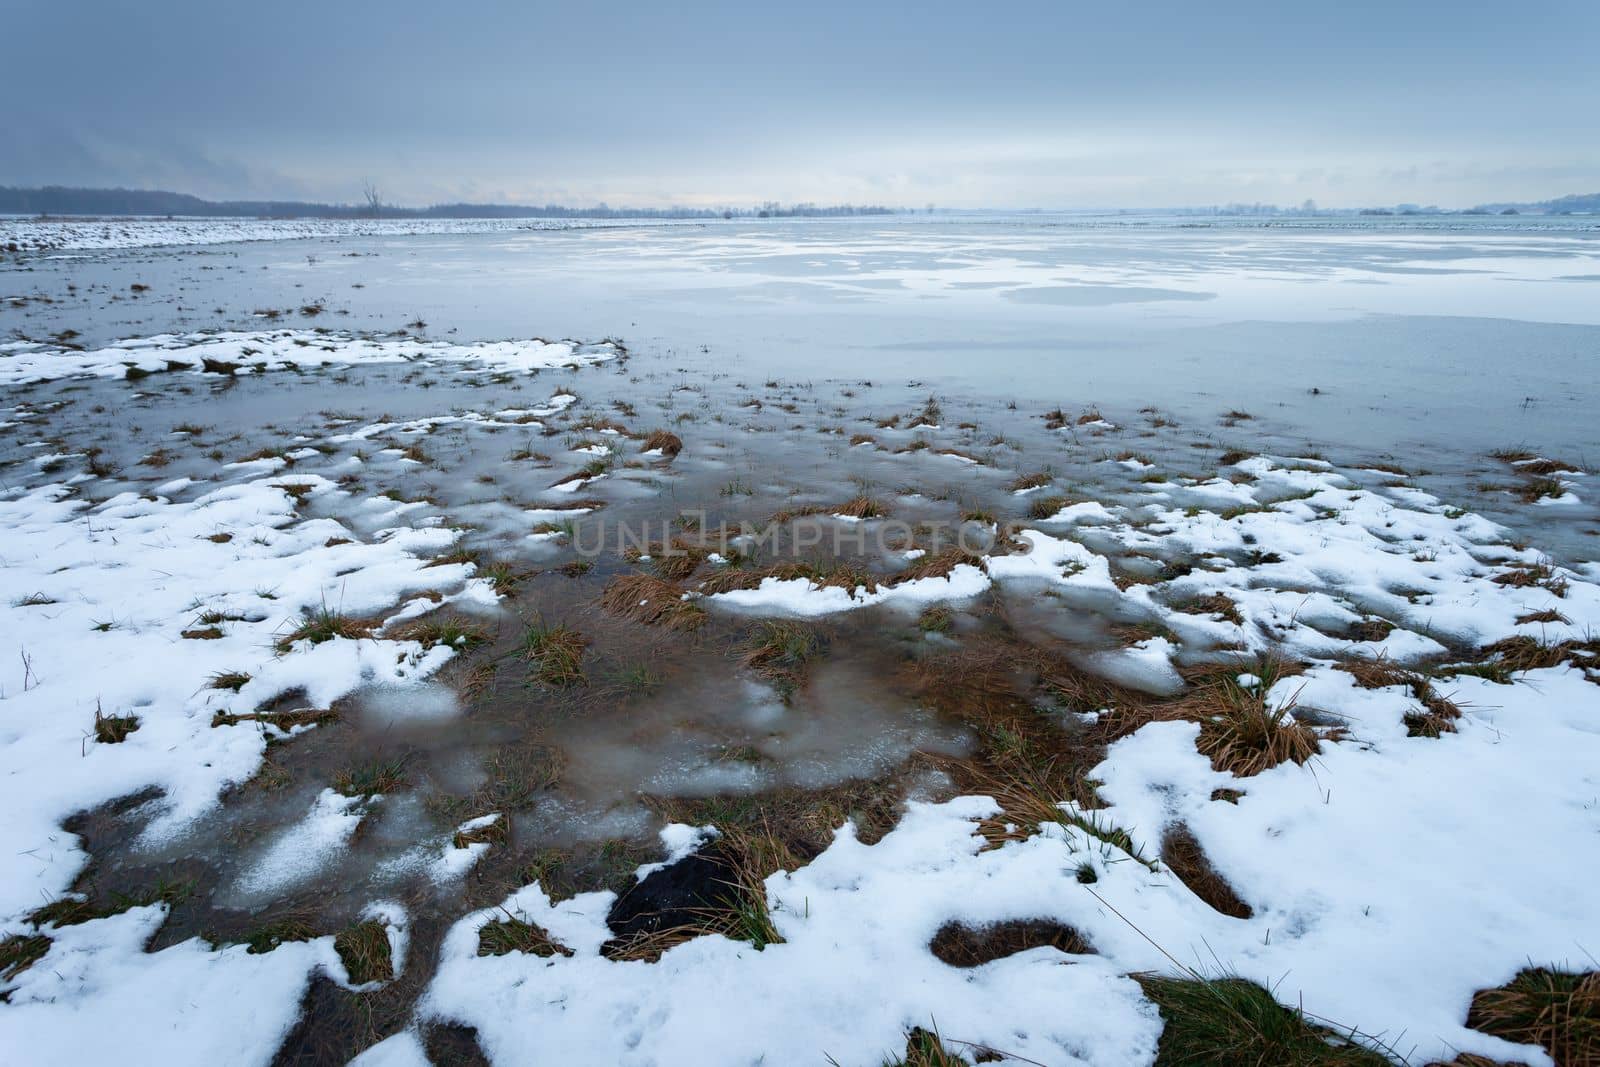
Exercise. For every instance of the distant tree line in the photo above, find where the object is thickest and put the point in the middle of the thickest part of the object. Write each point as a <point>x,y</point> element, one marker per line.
<point>62,200</point>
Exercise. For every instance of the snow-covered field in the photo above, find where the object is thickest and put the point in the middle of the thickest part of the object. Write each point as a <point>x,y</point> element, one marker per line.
<point>99,234</point>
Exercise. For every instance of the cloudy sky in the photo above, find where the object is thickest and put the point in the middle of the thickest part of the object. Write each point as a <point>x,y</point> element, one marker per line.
<point>1046,104</point>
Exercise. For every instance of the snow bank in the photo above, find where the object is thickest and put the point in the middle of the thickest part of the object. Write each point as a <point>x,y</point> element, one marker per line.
<point>238,352</point>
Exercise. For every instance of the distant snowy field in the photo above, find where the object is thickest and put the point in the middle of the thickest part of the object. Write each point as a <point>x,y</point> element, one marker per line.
<point>98,234</point>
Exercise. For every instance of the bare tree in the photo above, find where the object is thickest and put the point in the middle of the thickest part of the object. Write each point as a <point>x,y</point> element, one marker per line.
<point>373,197</point>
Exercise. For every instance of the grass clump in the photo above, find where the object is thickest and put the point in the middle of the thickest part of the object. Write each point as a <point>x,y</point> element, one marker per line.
<point>1554,1009</point>
<point>556,653</point>
<point>1047,507</point>
<point>324,624</point>
<point>1536,489</point>
<point>19,952</point>
<point>270,935</point>
<point>1241,730</point>
<point>113,729</point>
<point>1540,575</point>
<point>232,681</point>
<point>961,944</point>
<point>1029,481</point>
<point>780,652</point>
<point>451,631</point>
<point>1435,714</point>
<point>495,832</point>
<point>862,507</point>
<point>364,951</point>
<point>370,779</point>
<point>665,441</point>
<point>504,936</point>
<point>1521,652</point>
<point>1223,1022</point>
<point>938,565</point>
<point>651,601</point>
<point>1211,604</point>
<point>1183,856</point>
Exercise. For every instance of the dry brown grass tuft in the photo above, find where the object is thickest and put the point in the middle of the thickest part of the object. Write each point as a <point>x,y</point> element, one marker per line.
<point>1556,1010</point>
<point>781,651</point>
<point>1547,615</point>
<point>1210,604</point>
<point>861,507</point>
<point>497,832</point>
<point>19,952</point>
<point>113,729</point>
<point>1240,729</point>
<point>283,720</point>
<point>556,653</point>
<point>1524,653</point>
<point>1029,481</point>
<point>452,631</point>
<point>1184,857</point>
<point>1536,489</point>
<point>665,441</point>
<point>938,565</point>
<point>842,575</point>
<point>651,601</point>
<point>1532,575</point>
<point>372,778</point>
<point>1379,672</point>
<point>324,624</point>
<point>961,944</point>
<point>511,934</point>
<point>673,559</point>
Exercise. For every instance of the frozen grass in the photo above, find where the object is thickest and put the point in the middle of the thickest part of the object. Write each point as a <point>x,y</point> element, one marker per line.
<point>1435,715</point>
<point>283,720</point>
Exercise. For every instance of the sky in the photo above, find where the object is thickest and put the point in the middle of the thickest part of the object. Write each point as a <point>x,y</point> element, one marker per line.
<point>1063,104</point>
